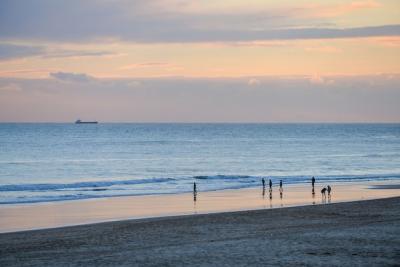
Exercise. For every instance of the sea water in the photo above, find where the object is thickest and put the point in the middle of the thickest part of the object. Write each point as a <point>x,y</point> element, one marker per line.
<point>53,162</point>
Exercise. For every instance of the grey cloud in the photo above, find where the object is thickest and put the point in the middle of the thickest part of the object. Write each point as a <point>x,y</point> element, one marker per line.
<point>71,77</point>
<point>72,53</point>
<point>280,99</point>
<point>139,21</point>
<point>285,34</point>
<point>11,51</point>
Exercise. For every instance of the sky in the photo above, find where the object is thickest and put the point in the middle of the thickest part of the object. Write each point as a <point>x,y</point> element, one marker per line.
<point>200,61</point>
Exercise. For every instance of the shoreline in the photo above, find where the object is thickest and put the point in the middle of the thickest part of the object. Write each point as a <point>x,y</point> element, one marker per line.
<point>183,216</point>
<point>23,217</point>
<point>362,233</point>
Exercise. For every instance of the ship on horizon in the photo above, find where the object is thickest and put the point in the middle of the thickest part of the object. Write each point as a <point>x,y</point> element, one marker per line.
<point>85,122</point>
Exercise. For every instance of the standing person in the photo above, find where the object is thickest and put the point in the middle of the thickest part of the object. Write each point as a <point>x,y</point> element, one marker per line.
<point>270,185</point>
<point>280,186</point>
<point>312,183</point>
<point>329,190</point>
<point>263,182</point>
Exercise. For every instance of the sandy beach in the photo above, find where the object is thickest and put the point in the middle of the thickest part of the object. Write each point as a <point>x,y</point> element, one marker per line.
<point>361,233</point>
<point>21,217</point>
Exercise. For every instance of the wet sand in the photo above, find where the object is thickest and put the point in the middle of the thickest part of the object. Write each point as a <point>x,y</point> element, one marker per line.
<point>363,233</point>
<point>66,213</point>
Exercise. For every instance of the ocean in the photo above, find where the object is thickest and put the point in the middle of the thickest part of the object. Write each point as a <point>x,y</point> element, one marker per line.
<point>44,162</point>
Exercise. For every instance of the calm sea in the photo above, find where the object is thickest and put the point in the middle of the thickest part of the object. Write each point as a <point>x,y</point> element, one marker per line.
<point>52,162</point>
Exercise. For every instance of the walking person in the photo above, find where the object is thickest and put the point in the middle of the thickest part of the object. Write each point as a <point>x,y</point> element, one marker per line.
<point>280,188</point>
<point>270,185</point>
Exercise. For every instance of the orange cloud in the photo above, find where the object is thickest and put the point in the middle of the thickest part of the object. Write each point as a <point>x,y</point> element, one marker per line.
<point>390,41</point>
<point>323,49</point>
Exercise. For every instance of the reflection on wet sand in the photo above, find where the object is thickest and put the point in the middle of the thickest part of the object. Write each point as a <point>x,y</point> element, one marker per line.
<point>270,198</point>
<point>313,197</point>
<point>14,217</point>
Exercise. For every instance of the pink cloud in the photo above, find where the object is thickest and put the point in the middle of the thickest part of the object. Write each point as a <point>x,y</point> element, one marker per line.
<point>342,9</point>
<point>253,82</point>
<point>318,79</point>
<point>147,65</point>
<point>12,87</point>
<point>37,73</point>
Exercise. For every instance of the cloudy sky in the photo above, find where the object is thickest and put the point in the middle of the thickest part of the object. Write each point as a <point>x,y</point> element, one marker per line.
<point>200,61</point>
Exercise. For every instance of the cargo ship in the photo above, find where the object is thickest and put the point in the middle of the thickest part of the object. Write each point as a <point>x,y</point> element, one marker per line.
<point>85,122</point>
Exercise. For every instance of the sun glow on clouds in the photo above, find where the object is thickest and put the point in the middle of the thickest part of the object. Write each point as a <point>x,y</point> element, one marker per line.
<point>353,56</point>
<point>257,42</point>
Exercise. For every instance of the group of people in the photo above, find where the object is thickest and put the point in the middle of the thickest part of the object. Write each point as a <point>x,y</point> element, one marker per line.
<point>324,190</point>
<point>270,187</point>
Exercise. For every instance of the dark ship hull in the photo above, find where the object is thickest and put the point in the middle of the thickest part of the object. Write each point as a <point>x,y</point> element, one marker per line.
<point>85,122</point>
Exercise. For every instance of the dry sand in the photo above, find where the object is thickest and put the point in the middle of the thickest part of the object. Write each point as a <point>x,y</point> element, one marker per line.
<point>363,233</point>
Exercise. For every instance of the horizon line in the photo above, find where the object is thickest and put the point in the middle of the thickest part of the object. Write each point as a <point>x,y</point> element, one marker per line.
<point>207,122</point>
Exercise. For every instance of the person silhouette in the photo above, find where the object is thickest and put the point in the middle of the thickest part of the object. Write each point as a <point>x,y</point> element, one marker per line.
<point>323,190</point>
<point>263,182</point>
<point>270,185</point>
<point>313,181</point>
<point>329,190</point>
<point>323,193</point>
